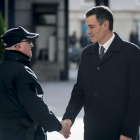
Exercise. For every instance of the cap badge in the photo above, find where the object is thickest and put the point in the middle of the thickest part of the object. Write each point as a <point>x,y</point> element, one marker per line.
<point>5,44</point>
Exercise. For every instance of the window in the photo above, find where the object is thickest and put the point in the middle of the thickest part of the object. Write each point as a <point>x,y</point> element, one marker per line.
<point>88,2</point>
<point>47,19</point>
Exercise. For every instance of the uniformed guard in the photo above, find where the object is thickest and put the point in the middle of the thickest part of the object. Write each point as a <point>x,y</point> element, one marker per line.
<point>23,113</point>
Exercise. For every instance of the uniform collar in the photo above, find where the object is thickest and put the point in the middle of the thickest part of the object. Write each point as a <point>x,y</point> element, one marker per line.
<point>17,56</point>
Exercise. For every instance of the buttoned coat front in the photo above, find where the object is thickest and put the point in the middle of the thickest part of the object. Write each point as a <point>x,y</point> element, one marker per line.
<point>109,91</point>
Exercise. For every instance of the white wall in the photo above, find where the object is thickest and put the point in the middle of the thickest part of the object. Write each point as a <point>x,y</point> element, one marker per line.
<point>125,5</point>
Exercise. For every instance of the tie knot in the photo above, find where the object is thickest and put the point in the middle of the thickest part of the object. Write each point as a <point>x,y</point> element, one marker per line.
<point>102,48</point>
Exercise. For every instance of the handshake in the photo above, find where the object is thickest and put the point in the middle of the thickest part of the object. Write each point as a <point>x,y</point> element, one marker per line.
<point>66,125</point>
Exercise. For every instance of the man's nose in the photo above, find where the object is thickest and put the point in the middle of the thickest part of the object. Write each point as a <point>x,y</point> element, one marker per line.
<point>88,31</point>
<point>32,45</point>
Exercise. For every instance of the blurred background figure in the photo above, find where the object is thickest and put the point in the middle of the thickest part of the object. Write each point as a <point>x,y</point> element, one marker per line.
<point>73,39</point>
<point>74,55</point>
<point>134,38</point>
<point>83,40</point>
<point>74,52</point>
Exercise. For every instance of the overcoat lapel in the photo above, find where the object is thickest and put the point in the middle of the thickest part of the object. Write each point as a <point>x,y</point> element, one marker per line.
<point>114,47</point>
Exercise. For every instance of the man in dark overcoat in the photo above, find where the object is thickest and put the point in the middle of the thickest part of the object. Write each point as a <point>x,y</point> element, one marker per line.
<point>23,113</point>
<point>107,83</point>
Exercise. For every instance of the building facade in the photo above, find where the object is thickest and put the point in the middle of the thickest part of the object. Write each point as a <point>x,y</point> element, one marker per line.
<point>55,20</point>
<point>49,18</point>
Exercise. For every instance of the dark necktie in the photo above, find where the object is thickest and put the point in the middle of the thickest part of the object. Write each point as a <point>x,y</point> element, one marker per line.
<point>101,52</point>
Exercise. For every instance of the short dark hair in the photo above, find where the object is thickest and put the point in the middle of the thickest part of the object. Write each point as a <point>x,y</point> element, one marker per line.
<point>103,14</point>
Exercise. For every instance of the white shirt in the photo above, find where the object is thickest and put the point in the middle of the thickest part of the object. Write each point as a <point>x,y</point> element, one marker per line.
<point>107,44</point>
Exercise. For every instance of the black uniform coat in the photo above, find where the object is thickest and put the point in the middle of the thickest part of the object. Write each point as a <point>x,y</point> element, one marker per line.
<point>109,90</point>
<point>21,96</point>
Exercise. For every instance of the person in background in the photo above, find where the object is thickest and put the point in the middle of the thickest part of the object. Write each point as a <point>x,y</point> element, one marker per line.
<point>23,113</point>
<point>73,39</point>
<point>107,83</point>
<point>83,40</point>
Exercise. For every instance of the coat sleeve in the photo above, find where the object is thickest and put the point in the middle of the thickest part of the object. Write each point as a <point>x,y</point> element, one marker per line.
<point>30,96</point>
<point>77,98</point>
<point>131,122</point>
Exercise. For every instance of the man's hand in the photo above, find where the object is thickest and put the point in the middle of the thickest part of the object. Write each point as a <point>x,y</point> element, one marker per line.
<point>124,138</point>
<point>68,123</point>
<point>65,131</point>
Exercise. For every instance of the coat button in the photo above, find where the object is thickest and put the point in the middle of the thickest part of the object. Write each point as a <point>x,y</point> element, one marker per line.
<point>98,68</point>
<point>95,94</point>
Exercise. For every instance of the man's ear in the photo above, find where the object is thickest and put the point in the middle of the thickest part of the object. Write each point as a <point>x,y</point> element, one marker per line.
<point>106,25</point>
<point>17,46</point>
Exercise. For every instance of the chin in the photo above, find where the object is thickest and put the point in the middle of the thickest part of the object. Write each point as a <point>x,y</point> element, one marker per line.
<point>93,41</point>
<point>30,55</point>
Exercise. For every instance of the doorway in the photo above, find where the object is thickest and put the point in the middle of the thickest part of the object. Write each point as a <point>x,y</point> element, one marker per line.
<point>45,23</point>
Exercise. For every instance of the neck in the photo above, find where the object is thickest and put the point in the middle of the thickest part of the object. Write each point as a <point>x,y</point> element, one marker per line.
<point>106,37</point>
<point>11,48</point>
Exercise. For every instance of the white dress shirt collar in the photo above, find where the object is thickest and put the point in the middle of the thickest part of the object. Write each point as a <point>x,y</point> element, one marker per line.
<point>107,44</point>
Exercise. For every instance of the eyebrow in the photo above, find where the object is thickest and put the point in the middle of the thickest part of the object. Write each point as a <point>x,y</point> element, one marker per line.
<point>90,25</point>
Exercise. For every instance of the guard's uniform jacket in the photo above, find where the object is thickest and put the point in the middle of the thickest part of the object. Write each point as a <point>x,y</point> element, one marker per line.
<point>21,96</point>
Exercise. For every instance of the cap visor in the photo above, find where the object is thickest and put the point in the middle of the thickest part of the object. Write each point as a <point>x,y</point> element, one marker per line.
<point>32,35</point>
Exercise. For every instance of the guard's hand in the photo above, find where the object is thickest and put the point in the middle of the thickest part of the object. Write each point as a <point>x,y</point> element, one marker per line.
<point>65,131</point>
<point>124,138</point>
